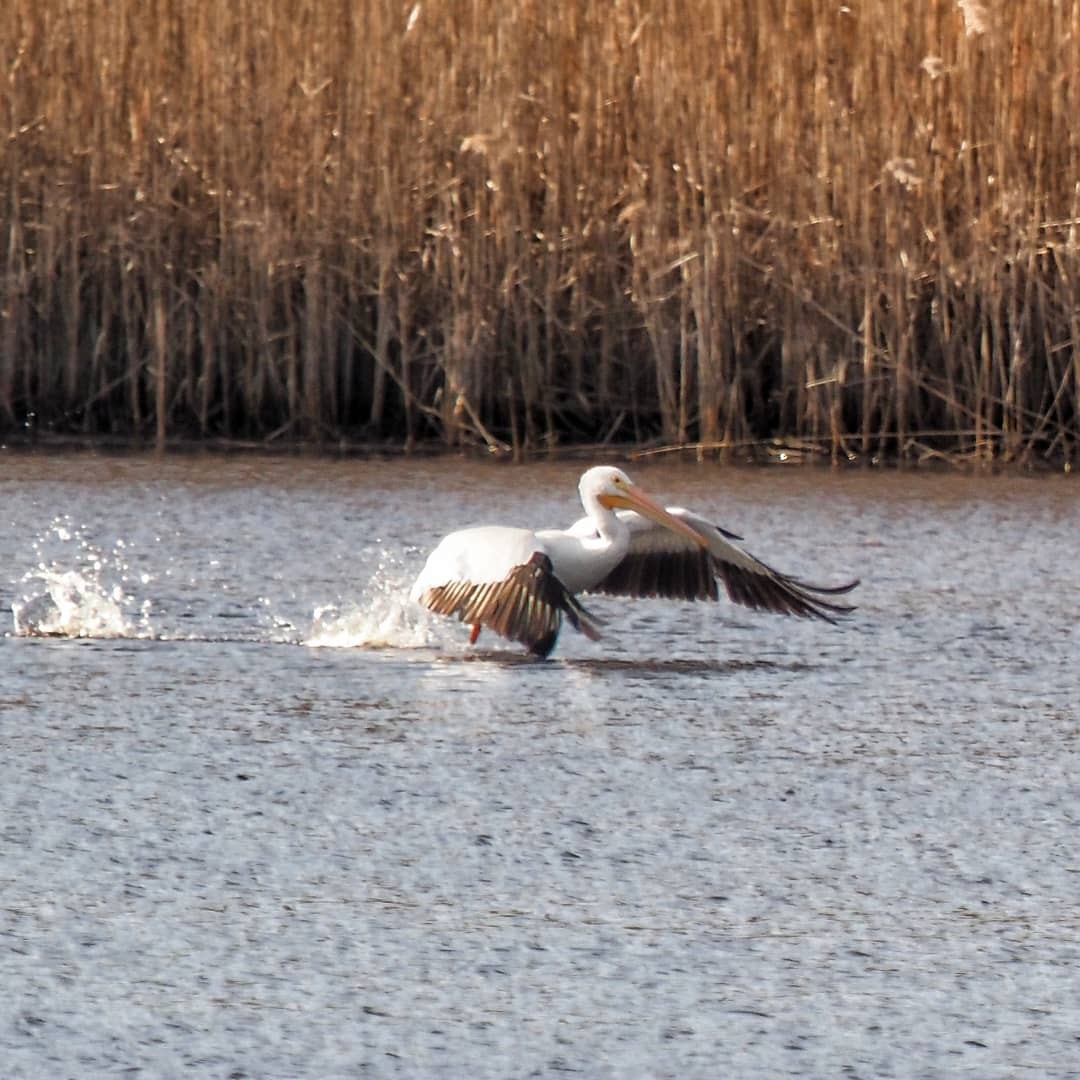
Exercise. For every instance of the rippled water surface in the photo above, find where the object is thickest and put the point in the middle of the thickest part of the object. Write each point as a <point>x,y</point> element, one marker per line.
<point>259,817</point>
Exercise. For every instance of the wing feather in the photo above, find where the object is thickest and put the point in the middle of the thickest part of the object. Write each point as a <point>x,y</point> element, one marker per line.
<point>664,564</point>
<point>527,605</point>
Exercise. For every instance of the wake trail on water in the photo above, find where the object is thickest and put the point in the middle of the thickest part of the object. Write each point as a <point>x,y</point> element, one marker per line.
<point>80,589</point>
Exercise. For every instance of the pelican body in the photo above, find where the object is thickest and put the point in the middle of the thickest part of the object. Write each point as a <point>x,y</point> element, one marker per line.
<point>521,584</point>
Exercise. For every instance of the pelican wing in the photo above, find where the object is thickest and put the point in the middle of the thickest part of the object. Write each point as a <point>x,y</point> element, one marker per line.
<point>527,605</point>
<point>662,563</point>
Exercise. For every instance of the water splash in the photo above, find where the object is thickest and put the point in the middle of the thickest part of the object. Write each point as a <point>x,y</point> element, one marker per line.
<point>80,587</point>
<point>385,617</point>
<point>273,626</point>
<point>84,592</point>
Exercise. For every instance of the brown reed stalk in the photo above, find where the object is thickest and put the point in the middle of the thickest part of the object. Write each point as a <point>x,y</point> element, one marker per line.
<point>703,223</point>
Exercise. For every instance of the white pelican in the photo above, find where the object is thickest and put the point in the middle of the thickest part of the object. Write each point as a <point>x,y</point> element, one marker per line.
<point>521,583</point>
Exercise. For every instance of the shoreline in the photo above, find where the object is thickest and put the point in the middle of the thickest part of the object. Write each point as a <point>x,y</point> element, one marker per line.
<point>763,454</point>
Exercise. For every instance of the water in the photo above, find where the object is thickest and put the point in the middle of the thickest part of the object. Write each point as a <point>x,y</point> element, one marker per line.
<point>259,817</point>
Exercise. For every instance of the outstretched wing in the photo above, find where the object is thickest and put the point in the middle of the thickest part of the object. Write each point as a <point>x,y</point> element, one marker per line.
<point>662,563</point>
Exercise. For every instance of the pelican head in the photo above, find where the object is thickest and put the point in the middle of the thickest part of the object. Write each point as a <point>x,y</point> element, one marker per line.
<point>610,488</point>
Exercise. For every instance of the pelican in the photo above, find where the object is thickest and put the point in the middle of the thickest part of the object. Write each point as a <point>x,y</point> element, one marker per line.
<point>520,583</point>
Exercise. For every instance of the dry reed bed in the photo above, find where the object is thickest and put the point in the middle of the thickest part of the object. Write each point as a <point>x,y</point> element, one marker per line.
<point>850,226</point>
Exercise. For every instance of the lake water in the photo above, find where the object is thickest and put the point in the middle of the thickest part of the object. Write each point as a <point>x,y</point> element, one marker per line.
<point>260,817</point>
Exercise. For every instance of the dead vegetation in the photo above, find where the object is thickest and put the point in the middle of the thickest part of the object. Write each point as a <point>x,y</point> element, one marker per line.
<point>849,227</point>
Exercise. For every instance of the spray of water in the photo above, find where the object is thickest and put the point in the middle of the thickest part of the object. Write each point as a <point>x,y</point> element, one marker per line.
<point>383,617</point>
<point>78,589</point>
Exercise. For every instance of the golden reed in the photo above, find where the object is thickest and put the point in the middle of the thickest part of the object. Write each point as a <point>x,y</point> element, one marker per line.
<point>851,226</point>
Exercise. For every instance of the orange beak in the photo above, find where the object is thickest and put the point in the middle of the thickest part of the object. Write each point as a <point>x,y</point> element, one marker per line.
<point>633,498</point>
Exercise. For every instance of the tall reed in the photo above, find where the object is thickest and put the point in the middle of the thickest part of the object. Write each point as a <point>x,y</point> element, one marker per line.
<point>850,227</point>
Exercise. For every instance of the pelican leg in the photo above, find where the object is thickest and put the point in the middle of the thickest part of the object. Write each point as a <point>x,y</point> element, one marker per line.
<point>474,633</point>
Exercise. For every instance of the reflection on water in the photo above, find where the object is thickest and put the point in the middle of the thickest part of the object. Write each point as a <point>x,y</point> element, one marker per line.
<point>645,667</point>
<point>264,816</point>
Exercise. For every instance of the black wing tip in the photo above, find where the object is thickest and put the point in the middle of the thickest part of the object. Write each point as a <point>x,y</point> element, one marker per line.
<point>555,593</point>
<point>767,590</point>
<point>825,609</point>
<point>831,613</point>
<point>827,590</point>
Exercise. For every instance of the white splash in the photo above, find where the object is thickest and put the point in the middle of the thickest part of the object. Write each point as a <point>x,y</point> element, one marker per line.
<point>277,629</point>
<point>83,593</point>
<point>384,617</point>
